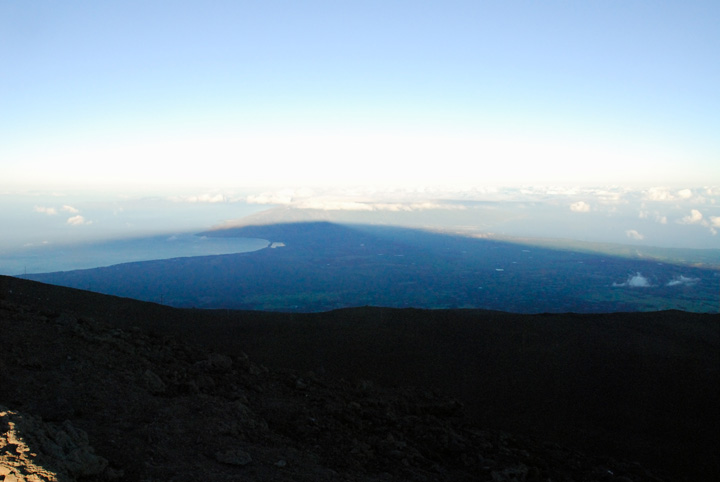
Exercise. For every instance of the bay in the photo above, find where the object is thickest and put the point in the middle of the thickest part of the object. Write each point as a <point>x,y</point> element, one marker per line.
<point>50,258</point>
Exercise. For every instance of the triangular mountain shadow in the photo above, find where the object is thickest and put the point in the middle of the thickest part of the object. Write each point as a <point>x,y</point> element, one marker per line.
<point>320,266</point>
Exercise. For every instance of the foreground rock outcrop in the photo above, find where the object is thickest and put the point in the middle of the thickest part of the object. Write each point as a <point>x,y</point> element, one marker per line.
<point>42,451</point>
<point>84,400</point>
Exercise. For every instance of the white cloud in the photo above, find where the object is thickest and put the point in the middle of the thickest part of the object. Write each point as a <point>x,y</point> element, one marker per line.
<point>658,194</point>
<point>682,281</point>
<point>633,234</point>
<point>715,221</point>
<point>706,195</point>
<point>695,217</point>
<point>45,210</point>
<point>684,194</point>
<point>201,198</point>
<point>580,207</point>
<point>78,221</point>
<point>654,215</point>
<point>280,197</point>
<point>635,281</point>
<point>342,205</point>
<point>70,209</point>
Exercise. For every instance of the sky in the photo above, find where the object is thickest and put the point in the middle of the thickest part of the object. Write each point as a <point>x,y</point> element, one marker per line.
<point>241,99</point>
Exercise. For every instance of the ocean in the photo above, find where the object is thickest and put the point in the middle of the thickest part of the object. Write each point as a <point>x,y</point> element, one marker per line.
<point>51,257</point>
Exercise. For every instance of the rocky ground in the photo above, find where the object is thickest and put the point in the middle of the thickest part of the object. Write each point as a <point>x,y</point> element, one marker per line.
<point>81,399</point>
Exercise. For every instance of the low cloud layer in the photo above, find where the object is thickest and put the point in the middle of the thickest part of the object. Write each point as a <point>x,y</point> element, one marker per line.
<point>307,199</point>
<point>201,198</point>
<point>339,205</point>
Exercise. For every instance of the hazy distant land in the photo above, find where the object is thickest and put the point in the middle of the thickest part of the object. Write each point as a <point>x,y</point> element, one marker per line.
<point>318,266</point>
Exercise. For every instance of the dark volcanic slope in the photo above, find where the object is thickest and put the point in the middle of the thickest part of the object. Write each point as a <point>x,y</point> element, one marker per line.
<point>639,387</point>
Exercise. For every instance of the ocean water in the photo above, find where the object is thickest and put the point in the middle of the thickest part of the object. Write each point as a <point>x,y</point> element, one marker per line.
<point>50,258</point>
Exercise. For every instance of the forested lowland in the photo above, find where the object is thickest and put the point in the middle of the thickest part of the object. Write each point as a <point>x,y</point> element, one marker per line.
<point>319,266</point>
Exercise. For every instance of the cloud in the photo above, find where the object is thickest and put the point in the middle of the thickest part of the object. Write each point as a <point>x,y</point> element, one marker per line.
<point>70,209</point>
<point>684,194</point>
<point>281,197</point>
<point>633,234</point>
<point>340,205</point>
<point>695,217</point>
<point>78,221</point>
<point>202,198</point>
<point>658,194</point>
<point>580,207</point>
<point>654,215</point>
<point>350,201</point>
<point>634,281</point>
<point>665,194</point>
<point>45,210</point>
<point>682,281</point>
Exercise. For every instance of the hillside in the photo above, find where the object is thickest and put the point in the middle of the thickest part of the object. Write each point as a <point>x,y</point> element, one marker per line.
<point>112,388</point>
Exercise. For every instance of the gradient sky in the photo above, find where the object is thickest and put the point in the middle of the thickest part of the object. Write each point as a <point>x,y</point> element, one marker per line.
<point>216,94</point>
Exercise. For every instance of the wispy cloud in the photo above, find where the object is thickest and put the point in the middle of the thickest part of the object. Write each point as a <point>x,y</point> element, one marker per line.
<point>78,220</point>
<point>633,234</point>
<point>580,207</point>
<point>50,211</point>
<point>655,215</point>
<point>69,209</point>
<point>682,281</point>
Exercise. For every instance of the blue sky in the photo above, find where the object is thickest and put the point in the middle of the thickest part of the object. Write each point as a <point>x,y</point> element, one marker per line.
<point>144,96</point>
<point>599,120</point>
